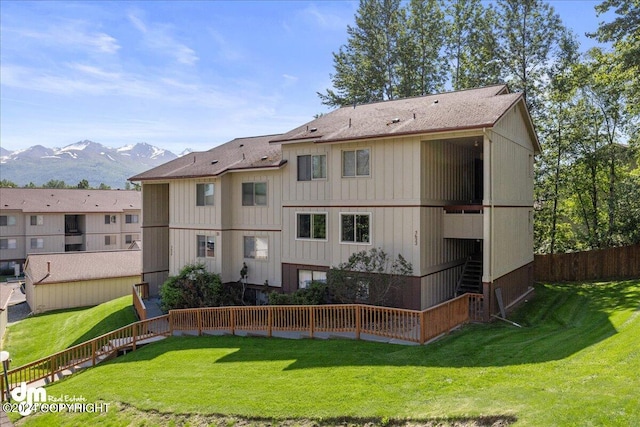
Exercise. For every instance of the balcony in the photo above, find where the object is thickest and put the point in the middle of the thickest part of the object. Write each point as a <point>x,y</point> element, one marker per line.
<point>463,222</point>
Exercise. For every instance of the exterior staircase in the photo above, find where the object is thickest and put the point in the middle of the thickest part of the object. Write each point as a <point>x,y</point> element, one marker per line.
<point>470,280</point>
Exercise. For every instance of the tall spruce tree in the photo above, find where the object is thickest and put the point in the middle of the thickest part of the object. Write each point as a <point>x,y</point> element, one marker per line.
<point>366,68</point>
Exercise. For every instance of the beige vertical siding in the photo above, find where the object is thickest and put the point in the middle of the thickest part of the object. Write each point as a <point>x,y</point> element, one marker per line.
<point>510,221</point>
<point>439,287</point>
<point>257,217</point>
<point>182,204</point>
<point>55,296</point>
<point>447,172</point>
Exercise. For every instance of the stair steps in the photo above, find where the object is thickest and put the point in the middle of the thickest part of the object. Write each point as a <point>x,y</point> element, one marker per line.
<point>470,280</point>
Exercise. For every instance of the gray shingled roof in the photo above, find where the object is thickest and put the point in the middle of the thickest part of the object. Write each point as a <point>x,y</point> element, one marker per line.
<point>51,200</point>
<point>80,266</point>
<point>5,296</point>
<point>466,109</point>
<point>238,154</point>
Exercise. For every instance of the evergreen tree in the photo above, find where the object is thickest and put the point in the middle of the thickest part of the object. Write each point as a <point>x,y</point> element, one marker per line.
<point>366,67</point>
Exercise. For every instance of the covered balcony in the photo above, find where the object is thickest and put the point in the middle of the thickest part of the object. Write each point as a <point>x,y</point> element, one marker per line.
<point>463,222</point>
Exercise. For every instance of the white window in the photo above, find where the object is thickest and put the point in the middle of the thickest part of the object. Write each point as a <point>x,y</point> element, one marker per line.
<point>204,194</point>
<point>254,194</point>
<point>355,228</point>
<point>206,246</point>
<point>7,220</point>
<point>256,247</point>
<point>110,219</point>
<point>110,240</point>
<point>37,220</point>
<point>306,277</point>
<point>355,163</point>
<point>312,167</point>
<point>131,219</point>
<point>37,243</point>
<point>8,243</point>
<point>311,226</point>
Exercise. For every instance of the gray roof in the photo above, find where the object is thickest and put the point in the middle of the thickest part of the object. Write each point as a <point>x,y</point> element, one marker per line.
<point>238,154</point>
<point>465,109</point>
<point>53,200</point>
<point>80,266</point>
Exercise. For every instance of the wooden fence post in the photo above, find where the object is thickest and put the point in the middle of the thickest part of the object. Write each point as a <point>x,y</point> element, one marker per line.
<point>52,361</point>
<point>93,352</point>
<point>134,328</point>
<point>232,320</point>
<point>199,314</point>
<point>311,321</point>
<point>269,320</point>
<point>358,325</point>
<point>170,323</point>
<point>423,326</point>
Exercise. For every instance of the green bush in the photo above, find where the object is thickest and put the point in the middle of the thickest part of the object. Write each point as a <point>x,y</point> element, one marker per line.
<point>193,287</point>
<point>314,294</point>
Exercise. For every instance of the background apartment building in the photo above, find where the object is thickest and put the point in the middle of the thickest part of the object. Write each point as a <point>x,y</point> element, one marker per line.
<point>40,220</point>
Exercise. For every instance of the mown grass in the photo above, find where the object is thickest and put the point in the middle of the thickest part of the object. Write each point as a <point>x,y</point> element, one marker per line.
<point>41,335</point>
<point>575,362</point>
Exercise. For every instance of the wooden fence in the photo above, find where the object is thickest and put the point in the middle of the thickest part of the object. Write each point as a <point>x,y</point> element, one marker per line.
<point>355,320</point>
<point>612,263</point>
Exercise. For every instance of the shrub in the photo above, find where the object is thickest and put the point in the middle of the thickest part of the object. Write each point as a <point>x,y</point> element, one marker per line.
<point>368,277</point>
<point>314,294</point>
<point>193,287</point>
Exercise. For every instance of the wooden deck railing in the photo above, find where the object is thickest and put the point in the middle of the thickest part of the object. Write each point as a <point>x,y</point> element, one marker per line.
<point>394,323</point>
<point>355,319</point>
<point>140,293</point>
<point>87,353</point>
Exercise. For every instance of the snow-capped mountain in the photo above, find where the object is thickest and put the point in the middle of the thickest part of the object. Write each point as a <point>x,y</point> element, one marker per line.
<point>83,160</point>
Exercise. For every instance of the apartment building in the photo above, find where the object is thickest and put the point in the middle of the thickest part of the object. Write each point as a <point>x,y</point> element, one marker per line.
<point>445,180</point>
<point>39,220</point>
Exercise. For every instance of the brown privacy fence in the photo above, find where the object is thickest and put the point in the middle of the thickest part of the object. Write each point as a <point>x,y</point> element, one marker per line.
<point>612,263</point>
<point>353,320</point>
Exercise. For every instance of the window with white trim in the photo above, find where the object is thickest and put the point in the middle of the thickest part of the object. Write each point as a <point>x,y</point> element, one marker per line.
<point>312,167</point>
<point>306,277</point>
<point>7,220</point>
<point>36,220</point>
<point>206,246</point>
<point>110,219</point>
<point>355,228</point>
<point>256,247</point>
<point>110,240</point>
<point>8,243</point>
<point>311,226</point>
<point>355,163</point>
<point>204,194</point>
<point>254,194</point>
<point>131,219</point>
<point>37,243</point>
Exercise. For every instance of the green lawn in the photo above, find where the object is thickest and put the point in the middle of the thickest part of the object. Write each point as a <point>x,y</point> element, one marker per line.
<point>39,336</point>
<point>575,362</point>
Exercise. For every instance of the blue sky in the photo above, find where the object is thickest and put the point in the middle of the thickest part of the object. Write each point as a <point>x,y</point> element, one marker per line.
<point>174,74</point>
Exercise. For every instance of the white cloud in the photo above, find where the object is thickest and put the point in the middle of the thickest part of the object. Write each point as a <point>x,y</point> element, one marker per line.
<point>71,34</point>
<point>158,38</point>
<point>324,19</point>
